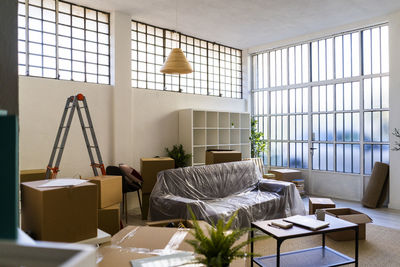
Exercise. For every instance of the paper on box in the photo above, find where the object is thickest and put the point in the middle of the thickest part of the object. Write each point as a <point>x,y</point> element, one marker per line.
<point>109,189</point>
<point>63,214</point>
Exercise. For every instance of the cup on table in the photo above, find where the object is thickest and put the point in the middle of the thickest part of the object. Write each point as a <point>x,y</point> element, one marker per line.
<point>320,214</point>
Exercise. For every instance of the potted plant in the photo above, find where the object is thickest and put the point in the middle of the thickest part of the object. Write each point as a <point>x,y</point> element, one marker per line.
<point>219,248</point>
<point>179,155</point>
<point>257,142</point>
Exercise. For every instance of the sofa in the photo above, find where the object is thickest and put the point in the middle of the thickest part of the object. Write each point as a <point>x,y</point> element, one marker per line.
<point>217,191</point>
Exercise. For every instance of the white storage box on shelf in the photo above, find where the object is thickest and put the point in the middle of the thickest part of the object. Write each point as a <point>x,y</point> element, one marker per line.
<point>200,130</point>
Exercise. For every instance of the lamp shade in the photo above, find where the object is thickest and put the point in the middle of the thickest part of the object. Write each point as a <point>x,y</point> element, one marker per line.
<point>176,63</point>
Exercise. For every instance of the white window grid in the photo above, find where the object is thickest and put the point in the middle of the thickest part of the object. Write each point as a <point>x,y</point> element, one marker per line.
<point>61,40</point>
<point>216,68</point>
<point>367,70</point>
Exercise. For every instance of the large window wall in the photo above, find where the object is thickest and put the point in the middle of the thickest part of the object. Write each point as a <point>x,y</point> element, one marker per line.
<point>217,69</point>
<point>325,102</point>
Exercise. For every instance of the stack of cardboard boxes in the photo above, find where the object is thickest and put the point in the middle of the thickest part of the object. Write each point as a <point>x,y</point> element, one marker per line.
<point>149,168</point>
<point>109,190</point>
<point>61,214</point>
<point>71,213</point>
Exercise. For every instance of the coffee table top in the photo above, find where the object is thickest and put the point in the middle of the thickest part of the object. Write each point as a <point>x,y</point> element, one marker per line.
<point>335,224</point>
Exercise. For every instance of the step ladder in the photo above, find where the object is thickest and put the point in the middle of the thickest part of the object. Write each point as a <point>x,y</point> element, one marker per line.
<point>71,105</point>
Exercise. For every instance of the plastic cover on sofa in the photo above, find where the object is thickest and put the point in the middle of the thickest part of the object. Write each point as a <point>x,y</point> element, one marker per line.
<point>217,191</point>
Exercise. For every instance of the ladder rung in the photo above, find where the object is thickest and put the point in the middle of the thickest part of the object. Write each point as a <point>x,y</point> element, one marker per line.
<point>92,146</point>
<point>88,127</point>
<point>60,147</point>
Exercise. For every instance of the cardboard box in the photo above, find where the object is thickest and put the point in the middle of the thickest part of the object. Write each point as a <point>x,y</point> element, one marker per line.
<point>127,243</point>
<point>109,219</point>
<point>315,203</point>
<point>109,189</point>
<point>62,214</point>
<point>150,167</point>
<point>215,157</point>
<point>352,216</point>
<point>32,175</point>
<point>286,174</point>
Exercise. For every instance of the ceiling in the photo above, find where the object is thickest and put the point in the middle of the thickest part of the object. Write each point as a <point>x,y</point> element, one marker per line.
<point>247,23</point>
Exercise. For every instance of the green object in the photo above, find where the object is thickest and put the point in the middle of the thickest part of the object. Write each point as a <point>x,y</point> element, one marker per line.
<point>218,248</point>
<point>179,155</point>
<point>257,141</point>
<point>9,176</point>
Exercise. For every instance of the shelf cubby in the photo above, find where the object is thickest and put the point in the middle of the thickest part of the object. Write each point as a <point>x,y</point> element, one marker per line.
<point>212,137</point>
<point>235,136</point>
<point>199,137</point>
<point>199,155</point>
<point>244,121</point>
<point>212,119</point>
<point>244,136</point>
<point>199,119</point>
<point>223,121</point>
<point>224,136</point>
<point>234,120</point>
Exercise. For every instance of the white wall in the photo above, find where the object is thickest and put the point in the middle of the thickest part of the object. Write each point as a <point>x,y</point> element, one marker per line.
<point>156,118</point>
<point>42,103</point>
<point>394,100</point>
<point>130,123</point>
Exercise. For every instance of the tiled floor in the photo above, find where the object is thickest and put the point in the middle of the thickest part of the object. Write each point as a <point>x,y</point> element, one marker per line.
<point>382,216</point>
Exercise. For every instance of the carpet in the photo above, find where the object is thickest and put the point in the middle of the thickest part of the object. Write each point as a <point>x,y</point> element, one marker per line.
<point>381,247</point>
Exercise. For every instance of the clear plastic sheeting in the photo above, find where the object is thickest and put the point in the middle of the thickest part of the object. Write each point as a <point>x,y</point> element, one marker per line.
<point>217,191</point>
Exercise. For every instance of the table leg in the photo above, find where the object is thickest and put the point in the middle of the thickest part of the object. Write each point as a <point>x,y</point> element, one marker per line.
<point>278,252</point>
<point>323,245</point>
<point>356,245</point>
<point>251,247</point>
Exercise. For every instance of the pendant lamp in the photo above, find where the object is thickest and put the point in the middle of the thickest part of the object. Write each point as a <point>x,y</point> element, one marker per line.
<point>176,62</point>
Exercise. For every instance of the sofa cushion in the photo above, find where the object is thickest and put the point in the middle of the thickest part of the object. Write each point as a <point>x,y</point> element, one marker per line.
<point>210,181</point>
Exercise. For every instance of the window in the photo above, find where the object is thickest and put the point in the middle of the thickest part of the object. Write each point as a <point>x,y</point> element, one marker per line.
<point>216,68</point>
<point>327,96</point>
<point>60,40</point>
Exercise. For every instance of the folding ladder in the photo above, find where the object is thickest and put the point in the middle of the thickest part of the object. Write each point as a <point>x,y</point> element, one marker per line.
<point>72,104</point>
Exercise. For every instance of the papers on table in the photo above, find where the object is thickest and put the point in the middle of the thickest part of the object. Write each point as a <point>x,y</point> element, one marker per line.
<point>63,182</point>
<point>306,221</point>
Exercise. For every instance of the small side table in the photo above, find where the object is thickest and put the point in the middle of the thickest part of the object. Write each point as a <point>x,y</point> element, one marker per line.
<point>315,203</point>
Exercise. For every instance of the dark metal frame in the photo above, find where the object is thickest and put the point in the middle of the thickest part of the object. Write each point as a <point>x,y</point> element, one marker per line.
<point>57,46</point>
<point>280,240</point>
<point>235,83</point>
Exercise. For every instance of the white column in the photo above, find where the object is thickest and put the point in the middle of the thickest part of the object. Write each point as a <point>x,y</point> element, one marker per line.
<point>121,80</point>
<point>394,105</point>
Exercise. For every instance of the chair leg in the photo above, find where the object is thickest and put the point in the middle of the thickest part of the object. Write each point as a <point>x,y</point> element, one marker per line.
<point>140,201</point>
<point>126,208</point>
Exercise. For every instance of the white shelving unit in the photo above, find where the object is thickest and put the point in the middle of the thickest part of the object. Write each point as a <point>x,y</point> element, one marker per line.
<point>200,130</point>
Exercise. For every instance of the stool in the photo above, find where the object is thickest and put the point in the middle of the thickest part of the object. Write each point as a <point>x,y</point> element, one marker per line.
<point>315,203</point>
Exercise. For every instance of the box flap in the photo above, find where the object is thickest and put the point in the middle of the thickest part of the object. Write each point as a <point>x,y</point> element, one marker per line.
<point>341,211</point>
<point>356,218</point>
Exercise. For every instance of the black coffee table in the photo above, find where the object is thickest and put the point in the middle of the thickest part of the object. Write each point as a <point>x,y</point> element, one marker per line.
<point>317,256</point>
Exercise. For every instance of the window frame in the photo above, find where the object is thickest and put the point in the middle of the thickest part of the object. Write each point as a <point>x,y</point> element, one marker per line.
<point>97,76</point>
<point>360,78</point>
<point>202,57</point>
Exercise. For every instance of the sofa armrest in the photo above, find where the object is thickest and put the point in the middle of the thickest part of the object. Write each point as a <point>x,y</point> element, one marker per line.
<point>275,186</point>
